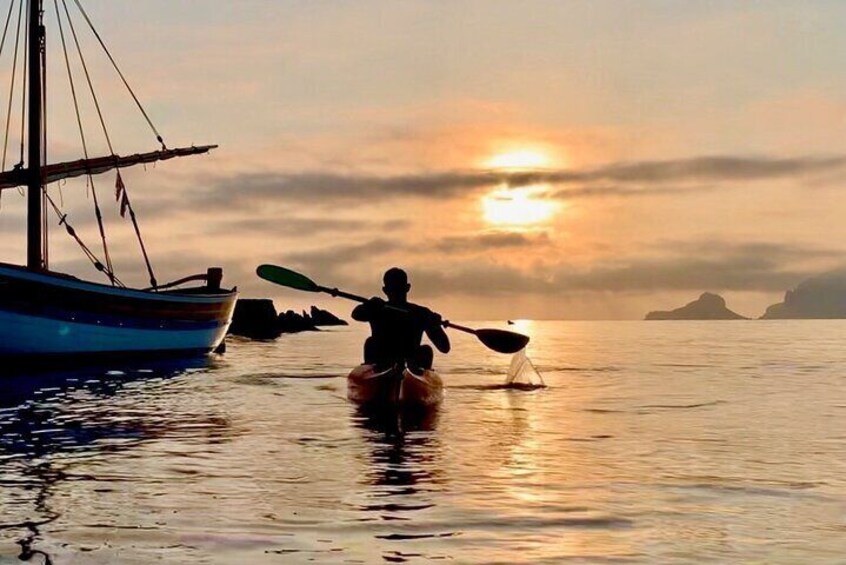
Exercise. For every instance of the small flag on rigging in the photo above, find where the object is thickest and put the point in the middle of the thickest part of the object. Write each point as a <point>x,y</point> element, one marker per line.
<point>120,188</point>
<point>120,194</point>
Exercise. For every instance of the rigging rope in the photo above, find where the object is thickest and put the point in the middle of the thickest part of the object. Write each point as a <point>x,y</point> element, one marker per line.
<point>126,204</point>
<point>63,220</point>
<point>97,211</point>
<point>119,186</point>
<point>45,225</point>
<point>6,27</point>
<point>12,84</point>
<point>120,73</point>
<point>2,45</point>
<point>88,78</point>
<point>23,98</point>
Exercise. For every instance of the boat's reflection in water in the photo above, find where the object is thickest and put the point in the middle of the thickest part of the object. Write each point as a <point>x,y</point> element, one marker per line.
<point>403,471</point>
<point>403,447</point>
<point>20,383</point>
<point>396,423</point>
<point>52,419</point>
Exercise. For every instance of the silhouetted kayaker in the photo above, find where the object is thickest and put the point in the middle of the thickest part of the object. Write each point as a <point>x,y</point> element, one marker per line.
<point>397,326</point>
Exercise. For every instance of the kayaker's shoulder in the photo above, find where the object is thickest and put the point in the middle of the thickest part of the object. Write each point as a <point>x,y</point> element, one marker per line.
<point>417,309</point>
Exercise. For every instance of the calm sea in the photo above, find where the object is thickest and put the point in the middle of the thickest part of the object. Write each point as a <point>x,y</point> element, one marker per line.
<point>655,442</point>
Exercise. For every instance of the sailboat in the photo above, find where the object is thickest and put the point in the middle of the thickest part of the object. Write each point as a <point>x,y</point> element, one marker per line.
<point>47,315</point>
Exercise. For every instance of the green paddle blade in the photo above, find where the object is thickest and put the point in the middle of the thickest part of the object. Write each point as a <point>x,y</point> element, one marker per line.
<point>502,341</point>
<point>287,277</point>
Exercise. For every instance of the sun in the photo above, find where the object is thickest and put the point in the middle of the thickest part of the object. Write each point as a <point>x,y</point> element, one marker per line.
<point>524,206</point>
<point>518,207</point>
<point>519,159</point>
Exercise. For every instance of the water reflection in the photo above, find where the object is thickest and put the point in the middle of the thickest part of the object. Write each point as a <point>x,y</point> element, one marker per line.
<point>46,413</point>
<point>403,449</point>
<point>18,384</point>
<point>404,473</point>
<point>52,421</point>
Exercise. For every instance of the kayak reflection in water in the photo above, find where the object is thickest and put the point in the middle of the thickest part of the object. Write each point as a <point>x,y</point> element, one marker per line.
<point>397,327</point>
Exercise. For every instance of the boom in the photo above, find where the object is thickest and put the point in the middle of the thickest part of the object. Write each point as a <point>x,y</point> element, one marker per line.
<point>98,165</point>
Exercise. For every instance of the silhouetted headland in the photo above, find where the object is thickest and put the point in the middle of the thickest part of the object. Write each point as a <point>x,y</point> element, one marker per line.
<point>325,318</point>
<point>820,297</point>
<point>707,307</point>
<point>256,318</point>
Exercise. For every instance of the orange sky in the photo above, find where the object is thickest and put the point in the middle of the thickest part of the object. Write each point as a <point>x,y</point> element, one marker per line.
<point>521,160</point>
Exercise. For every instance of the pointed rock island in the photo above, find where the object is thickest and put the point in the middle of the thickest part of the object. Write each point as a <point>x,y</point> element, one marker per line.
<point>709,306</point>
<point>821,297</point>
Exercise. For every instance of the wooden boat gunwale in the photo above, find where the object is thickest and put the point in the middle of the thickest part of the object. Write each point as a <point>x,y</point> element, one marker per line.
<point>69,281</point>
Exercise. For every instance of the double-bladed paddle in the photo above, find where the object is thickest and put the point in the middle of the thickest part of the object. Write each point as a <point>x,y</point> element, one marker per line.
<point>501,341</point>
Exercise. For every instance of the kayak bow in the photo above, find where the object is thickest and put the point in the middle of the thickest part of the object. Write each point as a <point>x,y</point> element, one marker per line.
<point>394,388</point>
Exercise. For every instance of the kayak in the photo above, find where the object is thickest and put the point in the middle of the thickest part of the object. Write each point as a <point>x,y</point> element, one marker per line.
<point>394,388</point>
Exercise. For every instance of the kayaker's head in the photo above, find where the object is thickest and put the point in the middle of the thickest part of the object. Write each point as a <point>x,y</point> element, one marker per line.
<point>396,285</point>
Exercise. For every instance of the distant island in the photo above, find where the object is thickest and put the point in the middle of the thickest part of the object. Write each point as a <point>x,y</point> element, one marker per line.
<point>709,306</point>
<point>820,297</point>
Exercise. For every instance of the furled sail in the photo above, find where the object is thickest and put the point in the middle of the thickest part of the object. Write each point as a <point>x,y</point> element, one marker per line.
<point>98,165</point>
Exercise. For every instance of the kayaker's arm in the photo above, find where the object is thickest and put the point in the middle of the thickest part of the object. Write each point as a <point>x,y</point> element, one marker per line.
<point>365,312</point>
<point>435,332</point>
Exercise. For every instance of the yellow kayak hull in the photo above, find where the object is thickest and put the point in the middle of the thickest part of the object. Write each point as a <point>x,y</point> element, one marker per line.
<point>394,388</point>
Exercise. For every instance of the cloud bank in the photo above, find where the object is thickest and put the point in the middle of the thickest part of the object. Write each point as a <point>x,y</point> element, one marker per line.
<point>619,179</point>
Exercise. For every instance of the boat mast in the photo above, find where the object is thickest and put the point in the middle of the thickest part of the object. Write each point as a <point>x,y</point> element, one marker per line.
<point>34,181</point>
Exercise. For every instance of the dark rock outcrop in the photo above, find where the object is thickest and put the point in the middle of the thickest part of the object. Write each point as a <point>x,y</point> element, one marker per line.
<point>821,297</point>
<point>291,322</point>
<point>325,318</point>
<point>255,319</point>
<point>707,307</point>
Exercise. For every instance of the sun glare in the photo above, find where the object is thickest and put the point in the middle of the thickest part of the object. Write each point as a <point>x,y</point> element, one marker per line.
<point>524,206</point>
<point>517,207</point>
<point>519,159</point>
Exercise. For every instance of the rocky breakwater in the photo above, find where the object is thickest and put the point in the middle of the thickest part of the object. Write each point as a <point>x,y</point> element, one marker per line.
<point>256,318</point>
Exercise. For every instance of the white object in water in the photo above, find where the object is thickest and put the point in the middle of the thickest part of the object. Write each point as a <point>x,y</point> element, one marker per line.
<point>523,372</point>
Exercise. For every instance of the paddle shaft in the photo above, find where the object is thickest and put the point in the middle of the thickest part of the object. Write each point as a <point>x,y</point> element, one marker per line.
<point>356,298</point>
<point>501,341</point>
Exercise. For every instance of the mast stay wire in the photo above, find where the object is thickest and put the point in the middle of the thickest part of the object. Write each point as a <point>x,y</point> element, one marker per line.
<point>120,73</point>
<point>9,115</point>
<point>97,212</point>
<point>88,77</point>
<point>45,224</point>
<point>108,268</point>
<point>126,204</point>
<point>24,97</point>
<point>12,78</point>
<point>63,220</point>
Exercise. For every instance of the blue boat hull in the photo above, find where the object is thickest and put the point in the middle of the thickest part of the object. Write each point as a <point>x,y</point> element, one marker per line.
<point>51,315</point>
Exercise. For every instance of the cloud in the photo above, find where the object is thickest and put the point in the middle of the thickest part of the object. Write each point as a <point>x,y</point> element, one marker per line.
<point>617,179</point>
<point>12,223</point>
<point>292,226</point>
<point>488,241</point>
<point>766,251</point>
<point>688,267</point>
<point>697,169</point>
<point>326,263</point>
<point>685,266</point>
<point>673,266</point>
<point>611,191</point>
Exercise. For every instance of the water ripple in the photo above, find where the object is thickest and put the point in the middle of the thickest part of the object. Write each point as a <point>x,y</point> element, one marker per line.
<point>649,445</point>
